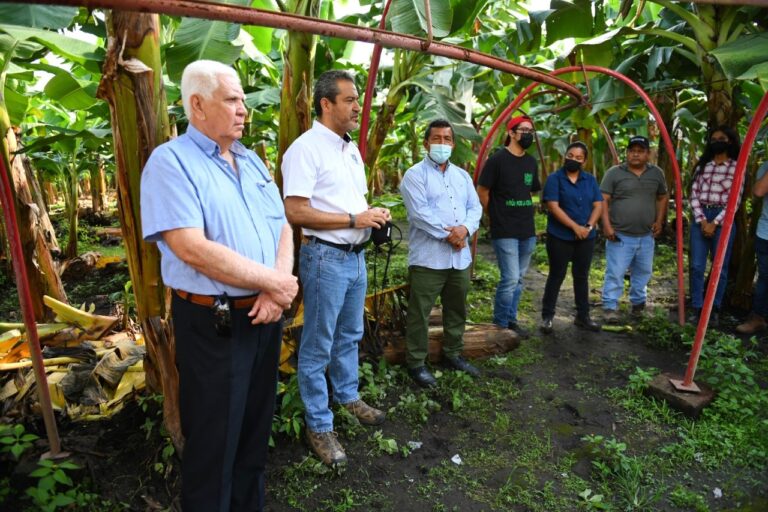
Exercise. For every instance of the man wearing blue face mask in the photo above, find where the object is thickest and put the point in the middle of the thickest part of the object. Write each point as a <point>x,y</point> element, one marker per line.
<point>443,212</point>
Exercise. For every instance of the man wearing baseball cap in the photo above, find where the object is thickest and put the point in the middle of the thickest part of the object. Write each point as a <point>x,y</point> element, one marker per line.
<point>635,194</point>
<point>507,180</point>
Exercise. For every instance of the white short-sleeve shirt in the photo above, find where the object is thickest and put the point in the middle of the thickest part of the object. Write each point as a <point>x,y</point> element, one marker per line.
<point>329,171</point>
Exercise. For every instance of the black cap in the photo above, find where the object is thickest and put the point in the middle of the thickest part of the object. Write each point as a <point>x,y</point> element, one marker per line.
<point>639,140</point>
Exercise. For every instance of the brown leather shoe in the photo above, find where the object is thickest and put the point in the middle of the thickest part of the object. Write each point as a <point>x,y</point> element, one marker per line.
<point>327,447</point>
<point>366,414</point>
<point>754,323</point>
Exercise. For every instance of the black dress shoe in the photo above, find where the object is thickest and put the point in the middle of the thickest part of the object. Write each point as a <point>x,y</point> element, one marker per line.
<point>422,377</point>
<point>523,333</point>
<point>546,326</point>
<point>459,363</point>
<point>586,323</point>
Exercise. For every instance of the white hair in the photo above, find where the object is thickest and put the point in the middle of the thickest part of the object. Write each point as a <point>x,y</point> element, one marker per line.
<point>201,77</point>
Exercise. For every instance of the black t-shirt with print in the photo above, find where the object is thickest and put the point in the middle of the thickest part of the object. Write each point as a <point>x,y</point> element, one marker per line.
<point>510,179</point>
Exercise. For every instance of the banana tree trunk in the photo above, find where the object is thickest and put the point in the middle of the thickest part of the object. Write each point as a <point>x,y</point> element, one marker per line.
<point>132,85</point>
<point>45,220</point>
<point>98,188</point>
<point>71,199</point>
<point>41,270</point>
<point>296,93</point>
<point>743,260</point>
<point>406,65</point>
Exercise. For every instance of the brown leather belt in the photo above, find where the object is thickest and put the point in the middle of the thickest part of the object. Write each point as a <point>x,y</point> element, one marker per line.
<point>209,300</point>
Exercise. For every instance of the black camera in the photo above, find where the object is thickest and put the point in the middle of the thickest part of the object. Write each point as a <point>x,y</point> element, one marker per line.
<point>382,235</point>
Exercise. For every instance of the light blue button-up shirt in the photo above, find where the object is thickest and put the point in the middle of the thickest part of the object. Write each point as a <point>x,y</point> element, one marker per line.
<point>187,184</point>
<point>436,200</point>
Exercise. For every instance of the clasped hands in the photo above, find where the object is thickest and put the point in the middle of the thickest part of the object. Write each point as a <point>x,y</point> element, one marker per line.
<point>708,228</point>
<point>457,237</point>
<point>271,302</point>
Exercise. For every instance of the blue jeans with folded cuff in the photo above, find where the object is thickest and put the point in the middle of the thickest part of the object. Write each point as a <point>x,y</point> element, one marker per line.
<point>627,252</point>
<point>335,284</point>
<point>701,249</point>
<point>513,256</point>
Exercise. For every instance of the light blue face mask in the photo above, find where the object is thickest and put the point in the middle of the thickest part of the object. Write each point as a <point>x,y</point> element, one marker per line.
<point>440,153</point>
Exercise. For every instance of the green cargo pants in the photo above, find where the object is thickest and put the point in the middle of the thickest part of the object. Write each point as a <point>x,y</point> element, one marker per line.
<point>426,284</point>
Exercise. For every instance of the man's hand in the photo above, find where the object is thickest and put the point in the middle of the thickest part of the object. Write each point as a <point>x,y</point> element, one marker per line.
<point>284,288</point>
<point>457,235</point>
<point>656,229</point>
<point>581,232</point>
<point>372,218</point>
<point>265,310</point>
<point>609,233</point>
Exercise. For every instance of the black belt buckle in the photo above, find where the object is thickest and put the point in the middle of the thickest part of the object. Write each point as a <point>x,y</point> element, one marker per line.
<point>222,315</point>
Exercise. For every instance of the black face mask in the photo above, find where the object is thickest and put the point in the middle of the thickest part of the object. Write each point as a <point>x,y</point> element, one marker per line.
<point>526,140</point>
<point>719,146</point>
<point>571,165</point>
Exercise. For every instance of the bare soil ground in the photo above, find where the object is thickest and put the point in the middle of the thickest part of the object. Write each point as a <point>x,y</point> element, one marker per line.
<point>511,440</point>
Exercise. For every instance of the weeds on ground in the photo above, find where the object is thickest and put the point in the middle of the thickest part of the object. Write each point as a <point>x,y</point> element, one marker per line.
<point>627,476</point>
<point>415,408</point>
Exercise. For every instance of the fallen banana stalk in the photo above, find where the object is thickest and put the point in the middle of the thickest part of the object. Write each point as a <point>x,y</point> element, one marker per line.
<point>94,326</point>
<point>43,330</point>
<point>54,361</point>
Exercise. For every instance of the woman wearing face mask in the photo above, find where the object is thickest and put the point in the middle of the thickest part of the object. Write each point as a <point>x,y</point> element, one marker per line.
<point>712,181</point>
<point>574,203</point>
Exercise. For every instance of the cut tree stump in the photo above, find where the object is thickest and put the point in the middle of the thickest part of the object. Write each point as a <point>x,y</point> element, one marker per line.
<point>480,341</point>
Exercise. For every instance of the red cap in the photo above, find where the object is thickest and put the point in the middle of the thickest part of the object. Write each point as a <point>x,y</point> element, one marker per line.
<point>512,123</point>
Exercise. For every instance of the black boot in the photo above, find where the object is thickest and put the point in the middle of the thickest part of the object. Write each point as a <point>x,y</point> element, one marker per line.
<point>585,322</point>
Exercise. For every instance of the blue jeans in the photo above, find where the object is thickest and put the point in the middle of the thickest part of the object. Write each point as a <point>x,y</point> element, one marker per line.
<point>513,256</point>
<point>334,284</point>
<point>700,249</point>
<point>760,300</point>
<point>627,252</point>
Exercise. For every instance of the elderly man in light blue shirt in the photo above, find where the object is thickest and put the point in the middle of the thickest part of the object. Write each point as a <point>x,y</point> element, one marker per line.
<point>443,211</point>
<point>227,251</point>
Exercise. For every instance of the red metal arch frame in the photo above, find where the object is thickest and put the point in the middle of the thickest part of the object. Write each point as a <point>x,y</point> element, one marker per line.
<point>667,145</point>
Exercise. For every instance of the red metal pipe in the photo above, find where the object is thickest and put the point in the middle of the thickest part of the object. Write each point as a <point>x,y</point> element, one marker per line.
<point>725,233</point>
<point>667,144</point>
<point>25,301</point>
<point>287,21</point>
<point>370,86</point>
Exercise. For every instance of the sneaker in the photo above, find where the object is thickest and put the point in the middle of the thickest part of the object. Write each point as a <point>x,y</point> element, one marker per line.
<point>638,309</point>
<point>546,326</point>
<point>611,316</point>
<point>754,323</point>
<point>521,332</point>
<point>459,363</point>
<point>586,323</point>
<point>327,447</point>
<point>366,414</point>
<point>693,316</point>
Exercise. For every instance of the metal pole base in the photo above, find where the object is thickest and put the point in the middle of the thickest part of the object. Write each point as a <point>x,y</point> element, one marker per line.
<point>679,385</point>
<point>55,456</point>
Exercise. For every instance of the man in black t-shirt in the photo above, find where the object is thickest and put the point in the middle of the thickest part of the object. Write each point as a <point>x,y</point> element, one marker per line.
<point>506,182</point>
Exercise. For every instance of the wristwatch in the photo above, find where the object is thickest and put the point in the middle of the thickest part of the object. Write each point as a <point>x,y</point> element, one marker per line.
<point>351,220</point>
<point>589,226</point>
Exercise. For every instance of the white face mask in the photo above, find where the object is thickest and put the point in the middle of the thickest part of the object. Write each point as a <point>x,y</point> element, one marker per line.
<point>440,153</point>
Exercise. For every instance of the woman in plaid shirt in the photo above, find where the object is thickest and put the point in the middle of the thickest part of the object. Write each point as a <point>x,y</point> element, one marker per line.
<point>712,181</point>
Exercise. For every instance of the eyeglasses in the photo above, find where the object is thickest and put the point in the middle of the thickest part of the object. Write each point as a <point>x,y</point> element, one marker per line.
<point>718,139</point>
<point>525,130</point>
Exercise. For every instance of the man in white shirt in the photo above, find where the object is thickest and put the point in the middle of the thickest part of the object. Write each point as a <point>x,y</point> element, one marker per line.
<point>325,191</point>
